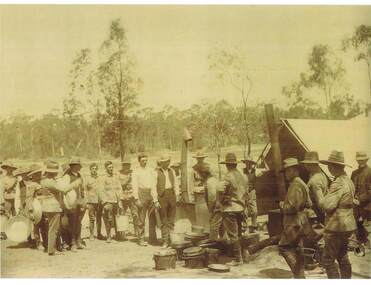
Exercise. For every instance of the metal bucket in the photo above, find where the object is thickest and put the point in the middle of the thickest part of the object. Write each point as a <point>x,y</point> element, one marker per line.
<point>195,262</point>
<point>165,259</point>
<point>122,223</point>
<point>212,255</point>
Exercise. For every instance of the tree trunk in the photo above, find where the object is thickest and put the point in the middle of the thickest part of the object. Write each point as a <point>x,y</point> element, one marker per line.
<point>369,76</point>
<point>248,141</point>
<point>121,140</point>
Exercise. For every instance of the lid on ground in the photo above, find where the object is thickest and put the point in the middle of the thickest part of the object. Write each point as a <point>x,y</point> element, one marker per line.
<point>218,268</point>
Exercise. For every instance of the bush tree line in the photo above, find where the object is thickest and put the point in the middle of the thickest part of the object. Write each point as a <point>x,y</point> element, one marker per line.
<point>101,116</point>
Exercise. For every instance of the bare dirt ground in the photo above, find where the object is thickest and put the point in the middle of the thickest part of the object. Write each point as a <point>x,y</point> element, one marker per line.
<point>128,260</point>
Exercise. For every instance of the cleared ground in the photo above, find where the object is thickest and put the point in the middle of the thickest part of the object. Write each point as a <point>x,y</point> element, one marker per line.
<point>128,260</point>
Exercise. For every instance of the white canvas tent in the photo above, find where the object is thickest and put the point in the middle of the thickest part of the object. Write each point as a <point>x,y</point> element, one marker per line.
<point>296,136</point>
<point>324,136</point>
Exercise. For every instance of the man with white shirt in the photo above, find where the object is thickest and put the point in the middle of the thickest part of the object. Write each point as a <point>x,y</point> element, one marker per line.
<point>167,191</point>
<point>143,187</point>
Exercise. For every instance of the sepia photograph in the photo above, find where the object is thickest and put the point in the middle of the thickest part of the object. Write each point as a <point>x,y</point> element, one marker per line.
<point>185,141</point>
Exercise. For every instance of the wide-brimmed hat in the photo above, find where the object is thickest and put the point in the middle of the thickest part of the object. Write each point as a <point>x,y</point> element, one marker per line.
<point>230,158</point>
<point>199,154</point>
<point>8,164</point>
<point>22,170</point>
<point>51,167</point>
<point>176,165</point>
<point>310,157</point>
<point>75,160</point>
<point>289,162</point>
<point>335,157</point>
<point>164,158</point>
<point>361,155</point>
<point>248,158</point>
<point>35,172</point>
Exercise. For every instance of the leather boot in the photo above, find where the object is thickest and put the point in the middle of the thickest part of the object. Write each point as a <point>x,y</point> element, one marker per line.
<point>332,271</point>
<point>290,260</point>
<point>237,255</point>
<point>345,268</point>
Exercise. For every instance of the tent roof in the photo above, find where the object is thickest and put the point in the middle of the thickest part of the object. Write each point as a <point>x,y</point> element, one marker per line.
<point>324,136</point>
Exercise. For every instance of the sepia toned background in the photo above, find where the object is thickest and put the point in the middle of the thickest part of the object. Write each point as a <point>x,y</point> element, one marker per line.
<point>171,45</point>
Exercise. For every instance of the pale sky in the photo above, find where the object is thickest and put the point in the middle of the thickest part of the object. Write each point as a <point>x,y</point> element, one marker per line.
<point>171,45</point>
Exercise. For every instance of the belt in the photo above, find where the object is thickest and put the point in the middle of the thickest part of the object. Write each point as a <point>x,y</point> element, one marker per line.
<point>168,188</point>
<point>345,207</point>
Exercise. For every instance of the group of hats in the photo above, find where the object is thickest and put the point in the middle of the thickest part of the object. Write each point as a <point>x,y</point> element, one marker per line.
<point>335,157</point>
<point>22,170</point>
<point>231,158</point>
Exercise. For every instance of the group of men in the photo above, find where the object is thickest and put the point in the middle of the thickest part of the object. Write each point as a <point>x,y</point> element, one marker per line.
<point>339,206</point>
<point>65,194</point>
<point>231,201</point>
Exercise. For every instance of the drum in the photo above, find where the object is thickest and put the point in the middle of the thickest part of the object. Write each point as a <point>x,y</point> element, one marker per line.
<point>18,228</point>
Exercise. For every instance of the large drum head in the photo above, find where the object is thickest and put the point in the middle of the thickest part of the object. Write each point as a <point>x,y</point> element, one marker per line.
<point>18,229</point>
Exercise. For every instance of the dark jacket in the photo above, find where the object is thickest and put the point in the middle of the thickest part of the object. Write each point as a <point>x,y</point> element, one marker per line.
<point>160,185</point>
<point>361,178</point>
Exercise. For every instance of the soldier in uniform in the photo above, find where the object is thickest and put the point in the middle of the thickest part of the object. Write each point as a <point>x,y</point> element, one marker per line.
<point>145,193</point>
<point>317,183</point>
<point>76,213</point>
<point>127,199</point>
<point>9,184</point>
<point>252,210</point>
<point>361,178</point>
<point>110,192</point>
<point>92,194</point>
<point>212,187</point>
<point>339,221</point>
<point>50,198</point>
<point>195,181</point>
<point>294,218</point>
<point>167,192</point>
<point>233,204</point>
